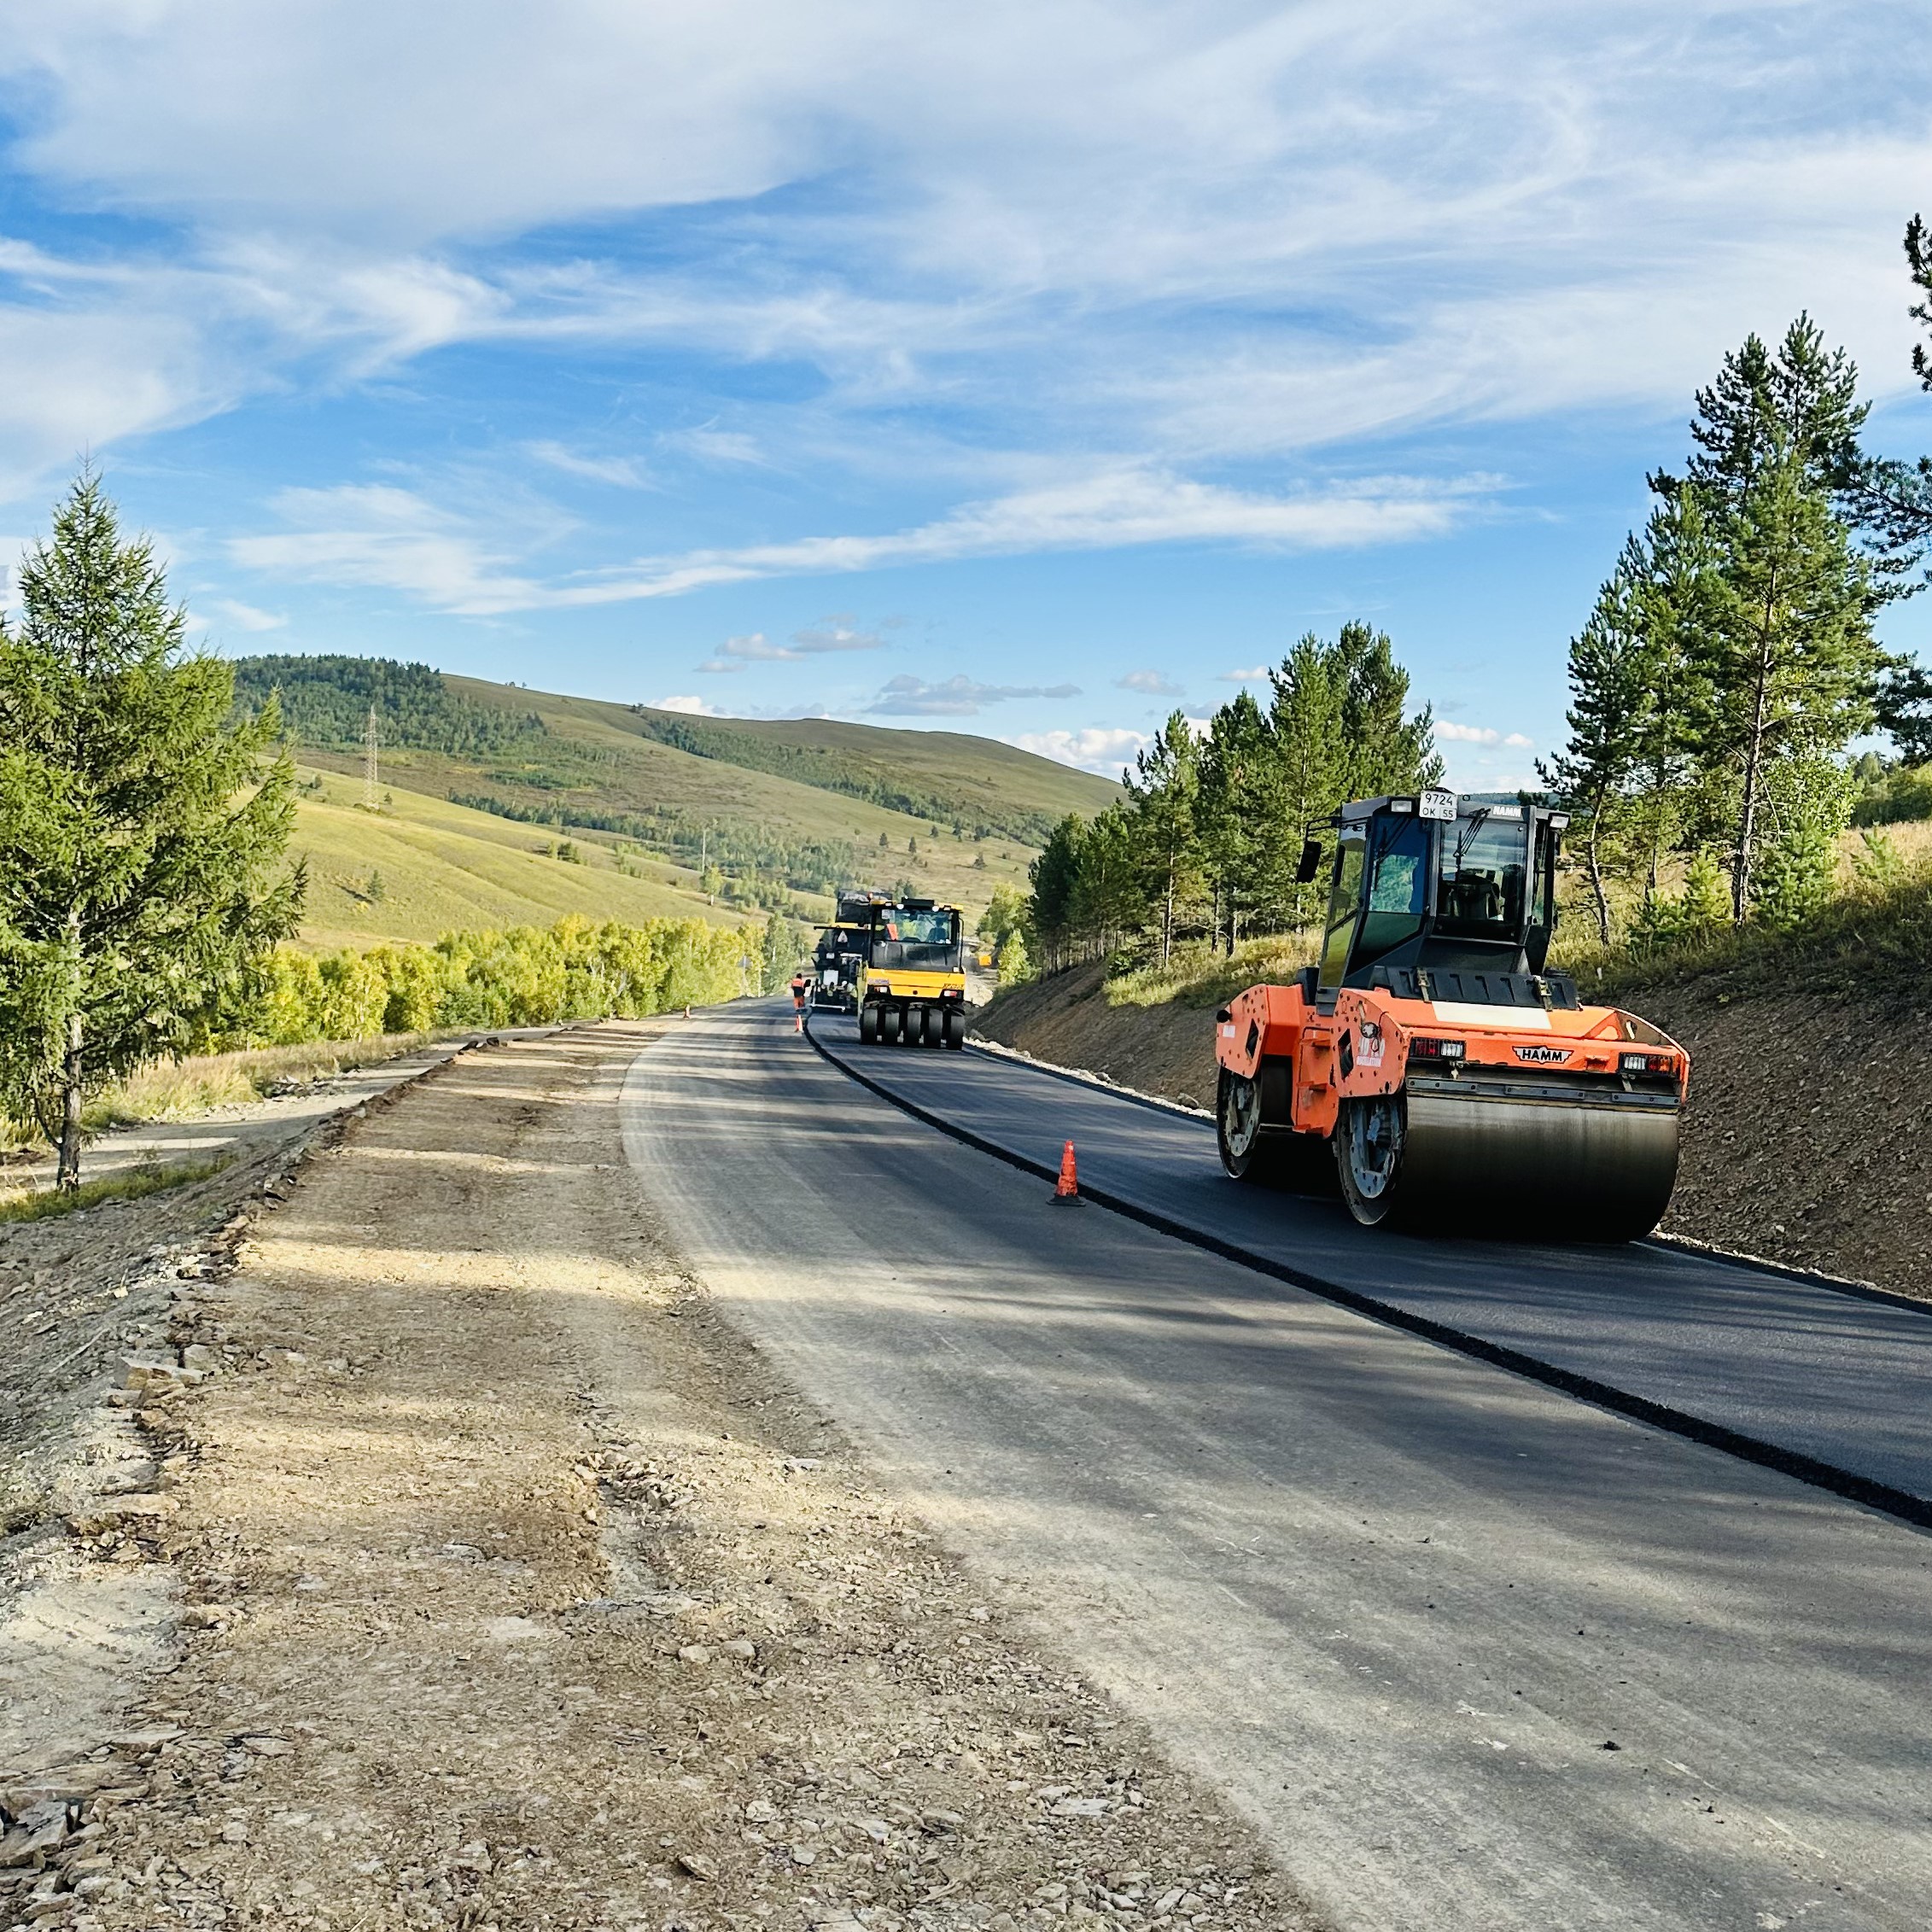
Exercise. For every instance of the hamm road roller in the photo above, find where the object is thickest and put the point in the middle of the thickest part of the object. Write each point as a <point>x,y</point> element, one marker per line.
<point>911,988</point>
<point>1427,1066</point>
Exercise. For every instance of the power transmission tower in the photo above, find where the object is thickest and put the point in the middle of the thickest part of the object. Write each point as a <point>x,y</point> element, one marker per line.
<point>370,745</point>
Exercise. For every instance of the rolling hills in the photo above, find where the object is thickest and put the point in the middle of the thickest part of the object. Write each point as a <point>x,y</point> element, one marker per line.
<point>422,865</point>
<point>783,811</point>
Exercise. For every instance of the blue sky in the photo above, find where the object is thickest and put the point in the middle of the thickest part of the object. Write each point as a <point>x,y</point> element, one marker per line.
<point>1021,370</point>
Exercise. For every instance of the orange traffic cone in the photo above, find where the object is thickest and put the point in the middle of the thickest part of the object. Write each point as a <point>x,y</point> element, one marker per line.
<point>1067,1188</point>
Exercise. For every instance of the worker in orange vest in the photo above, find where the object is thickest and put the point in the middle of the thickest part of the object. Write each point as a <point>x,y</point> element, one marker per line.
<point>798,987</point>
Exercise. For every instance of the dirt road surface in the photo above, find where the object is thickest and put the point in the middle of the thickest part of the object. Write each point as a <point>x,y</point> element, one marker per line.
<point>516,1590</point>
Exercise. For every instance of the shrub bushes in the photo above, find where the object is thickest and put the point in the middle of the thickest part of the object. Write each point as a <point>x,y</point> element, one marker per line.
<point>577,969</point>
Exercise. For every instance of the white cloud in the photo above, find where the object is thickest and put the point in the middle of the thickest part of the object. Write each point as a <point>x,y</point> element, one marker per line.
<point>246,617</point>
<point>1255,676</point>
<point>620,471</point>
<point>1114,509</point>
<point>378,534</point>
<point>1481,734</point>
<point>1097,749</point>
<point>714,445</point>
<point>1190,236</point>
<point>1153,684</point>
<point>380,537</point>
<point>696,706</point>
<point>831,634</point>
<point>957,696</point>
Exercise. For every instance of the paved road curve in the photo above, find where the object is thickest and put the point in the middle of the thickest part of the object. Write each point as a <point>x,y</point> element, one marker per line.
<point>1842,1378</point>
<point>1396,1602</point>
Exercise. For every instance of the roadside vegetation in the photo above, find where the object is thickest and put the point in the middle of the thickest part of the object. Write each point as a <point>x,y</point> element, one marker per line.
<point>42,1204</point>
<point>1746,767</point>
<point>148,898</point>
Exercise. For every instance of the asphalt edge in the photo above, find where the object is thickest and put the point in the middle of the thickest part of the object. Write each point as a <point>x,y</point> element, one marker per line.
<point>1674,1244</point>
<point>1898,1503</point>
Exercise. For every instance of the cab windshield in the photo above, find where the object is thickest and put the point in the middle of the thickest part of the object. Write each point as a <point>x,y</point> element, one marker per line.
<point>903,938</point>
<point>916,929</point>
<point>1483,871</point>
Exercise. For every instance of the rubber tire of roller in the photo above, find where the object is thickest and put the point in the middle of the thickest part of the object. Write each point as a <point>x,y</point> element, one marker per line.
<point>1385,1210</point>
<point>891,1023</point>
<point>955,1028</point>
<point>868,1025</point>
<point>1254,1161</point>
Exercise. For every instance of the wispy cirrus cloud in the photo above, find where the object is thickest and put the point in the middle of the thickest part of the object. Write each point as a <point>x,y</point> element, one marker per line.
<point>957,696</point>
<point>382,535</point>
<point>620,472</point>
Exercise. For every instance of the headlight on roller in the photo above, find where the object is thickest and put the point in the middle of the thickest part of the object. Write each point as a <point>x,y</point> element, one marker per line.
<point>1435,1049</point>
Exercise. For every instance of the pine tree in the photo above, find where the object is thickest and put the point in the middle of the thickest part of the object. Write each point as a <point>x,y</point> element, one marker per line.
<point>1237,777</point>
<point>1609,706</point>
<point>1799,401</point>
<point>1110,897</point>
<point>1384,749</point>
<point>1165,790</point>
<point>1788,665</point>
<point>142,836</point>
<point>1052,876</point>
<point>1311,760</point>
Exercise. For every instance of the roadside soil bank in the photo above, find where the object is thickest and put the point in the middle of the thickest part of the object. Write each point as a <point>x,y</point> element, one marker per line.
<point>1804,1143</point>
<point>515,1590</point>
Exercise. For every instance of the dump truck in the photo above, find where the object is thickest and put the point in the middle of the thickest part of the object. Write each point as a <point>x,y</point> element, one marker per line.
<point>912,987</point>
<point>1429,1067</point>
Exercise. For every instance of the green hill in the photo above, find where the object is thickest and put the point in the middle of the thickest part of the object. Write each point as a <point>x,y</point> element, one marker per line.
<point>786,810</point>
<point>421,865</point>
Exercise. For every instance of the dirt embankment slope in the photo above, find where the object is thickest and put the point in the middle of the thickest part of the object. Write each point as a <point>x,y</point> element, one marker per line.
<point>1804,1142</point>
<point>516,1590</point>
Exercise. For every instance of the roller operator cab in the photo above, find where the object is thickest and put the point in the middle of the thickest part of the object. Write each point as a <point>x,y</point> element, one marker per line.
<point>1429,1067</point>
<point>912,987</point>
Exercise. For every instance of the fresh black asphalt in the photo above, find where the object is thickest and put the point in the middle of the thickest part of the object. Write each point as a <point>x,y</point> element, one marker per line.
<point>1821,1380</point>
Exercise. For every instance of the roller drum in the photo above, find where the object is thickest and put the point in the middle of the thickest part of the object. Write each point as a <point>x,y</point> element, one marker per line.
<point>1572,1170</point>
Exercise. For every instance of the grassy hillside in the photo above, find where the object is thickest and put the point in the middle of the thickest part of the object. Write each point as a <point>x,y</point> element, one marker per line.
<point>787,810</point>
<point>438,866</point>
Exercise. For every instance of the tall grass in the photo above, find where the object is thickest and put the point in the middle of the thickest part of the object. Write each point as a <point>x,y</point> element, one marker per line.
<point>184,1089</point>
<point>42,1204</point>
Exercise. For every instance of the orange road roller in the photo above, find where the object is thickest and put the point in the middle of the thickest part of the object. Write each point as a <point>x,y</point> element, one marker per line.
<point>1428,1068</point>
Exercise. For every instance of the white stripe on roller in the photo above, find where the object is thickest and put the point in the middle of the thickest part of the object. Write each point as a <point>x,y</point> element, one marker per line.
<point>1516,1019</point>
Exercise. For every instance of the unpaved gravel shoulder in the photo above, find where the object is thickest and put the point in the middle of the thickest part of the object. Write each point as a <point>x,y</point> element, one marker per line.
<point>518,1591</point>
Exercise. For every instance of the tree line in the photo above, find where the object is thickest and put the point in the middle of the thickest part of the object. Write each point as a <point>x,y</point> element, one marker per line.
<point>1729,663</point>
<point>324,701</point>
<point>1208,841</point>
<point>1731,658</point>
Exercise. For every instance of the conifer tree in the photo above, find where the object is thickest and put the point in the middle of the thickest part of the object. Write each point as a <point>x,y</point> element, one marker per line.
<point>142,835</point>
<point>1311,759</point>
<point>1236,784</point>
<point>1053,876</point>
<point>1164,786</point>
<point>1788,665</point>
<point>1609,707</point>
<point>1384,749</point>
